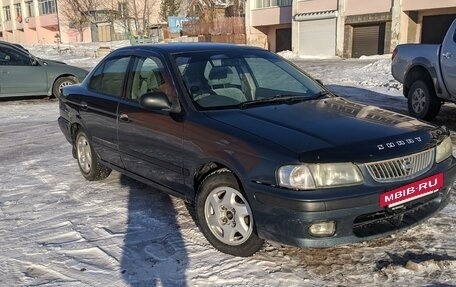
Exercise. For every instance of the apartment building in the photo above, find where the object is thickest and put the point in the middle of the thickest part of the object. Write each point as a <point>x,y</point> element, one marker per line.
<point>348,28</point>
<point>28,21</point>
<point>268,23</point>
<point>49,21</point>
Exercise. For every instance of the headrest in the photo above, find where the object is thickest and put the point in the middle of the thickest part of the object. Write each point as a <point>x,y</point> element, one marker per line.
<point>220,76</point>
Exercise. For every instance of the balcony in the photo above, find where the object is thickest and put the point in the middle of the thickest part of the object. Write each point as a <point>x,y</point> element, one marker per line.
<point>8,26</point>
<point>30,22</point>
<point>317,6</point>
<point>19,24</point>
<point>49,21</point>
<point>271,16</point>
<point>415,5</point>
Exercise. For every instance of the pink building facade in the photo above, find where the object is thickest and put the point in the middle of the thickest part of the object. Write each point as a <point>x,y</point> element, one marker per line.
<point>29,21</point>
<point>45,21</point>
<point>348,28</point>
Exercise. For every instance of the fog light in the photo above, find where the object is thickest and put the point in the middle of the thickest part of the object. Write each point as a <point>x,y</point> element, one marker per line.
<point>323,229</point>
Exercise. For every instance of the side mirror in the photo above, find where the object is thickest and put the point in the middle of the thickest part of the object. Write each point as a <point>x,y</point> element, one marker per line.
<point>319,81</point>
<point>155,101</point>
<point>33,60</point>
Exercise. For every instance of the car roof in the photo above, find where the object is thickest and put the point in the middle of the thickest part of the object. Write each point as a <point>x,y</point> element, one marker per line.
<point>172,48</point>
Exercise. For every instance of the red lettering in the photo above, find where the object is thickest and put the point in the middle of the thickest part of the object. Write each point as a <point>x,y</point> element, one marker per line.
<point>412,190</point>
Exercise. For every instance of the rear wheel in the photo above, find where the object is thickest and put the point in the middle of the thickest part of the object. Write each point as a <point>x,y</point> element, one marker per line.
<point>225,217</point>
<point>62,82</point>
<point>88,160</point>
<point>422,101</point>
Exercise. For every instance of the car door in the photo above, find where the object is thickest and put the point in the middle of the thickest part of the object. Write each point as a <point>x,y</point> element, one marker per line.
<point>98,107</point>
<point>151,141</point>
<point>448,60</point>
<point>21,75</point>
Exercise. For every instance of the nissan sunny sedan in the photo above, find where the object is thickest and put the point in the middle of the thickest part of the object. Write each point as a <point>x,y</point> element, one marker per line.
<point>24,75</point>
<point>258,148</point>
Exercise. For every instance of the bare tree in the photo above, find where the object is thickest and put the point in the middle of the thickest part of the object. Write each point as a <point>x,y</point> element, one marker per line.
<point>76,14</point>
<point>80,14</point>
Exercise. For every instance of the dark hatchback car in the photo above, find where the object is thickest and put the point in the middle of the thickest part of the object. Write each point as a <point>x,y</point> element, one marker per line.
<point>259,149</point>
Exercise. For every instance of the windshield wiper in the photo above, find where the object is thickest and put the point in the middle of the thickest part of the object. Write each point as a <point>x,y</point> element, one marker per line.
<point>272,100</point>
<point>280,98</point>
<point>319,95</point>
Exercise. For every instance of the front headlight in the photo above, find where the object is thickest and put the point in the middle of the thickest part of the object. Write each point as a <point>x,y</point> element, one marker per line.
<point>444,150</point>
<point>312,176</point>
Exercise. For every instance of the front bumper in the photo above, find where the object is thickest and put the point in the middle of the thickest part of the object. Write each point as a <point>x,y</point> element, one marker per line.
<point>286,216</point>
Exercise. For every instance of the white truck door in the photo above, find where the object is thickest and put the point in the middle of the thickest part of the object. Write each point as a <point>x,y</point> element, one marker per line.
<point>448,59</point>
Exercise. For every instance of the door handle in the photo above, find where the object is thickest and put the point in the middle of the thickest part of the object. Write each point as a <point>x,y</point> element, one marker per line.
<point>124,118</point>
<point>447,55</point>
<point>84,106</point>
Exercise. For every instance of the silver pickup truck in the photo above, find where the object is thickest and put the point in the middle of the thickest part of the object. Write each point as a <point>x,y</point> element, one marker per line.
<point>428,73</point>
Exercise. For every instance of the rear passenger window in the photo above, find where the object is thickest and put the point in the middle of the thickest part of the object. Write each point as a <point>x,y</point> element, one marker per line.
<point>109,78</point>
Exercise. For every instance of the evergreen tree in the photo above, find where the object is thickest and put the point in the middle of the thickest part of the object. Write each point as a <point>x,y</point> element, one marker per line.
<point>169,8</point>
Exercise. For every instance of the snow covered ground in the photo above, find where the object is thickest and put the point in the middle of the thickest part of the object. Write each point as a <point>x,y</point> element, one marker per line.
<point>57,229</point>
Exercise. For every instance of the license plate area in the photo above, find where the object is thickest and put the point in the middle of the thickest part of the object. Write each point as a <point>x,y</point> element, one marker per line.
<point>412,191</point>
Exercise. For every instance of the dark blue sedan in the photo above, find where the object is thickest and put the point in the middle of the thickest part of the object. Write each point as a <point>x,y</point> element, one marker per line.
<point>256,146</point>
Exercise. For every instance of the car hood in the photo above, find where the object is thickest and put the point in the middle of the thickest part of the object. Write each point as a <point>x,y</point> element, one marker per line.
<point>55,69</point>
<point>334,130</point>
<point>47,61</point>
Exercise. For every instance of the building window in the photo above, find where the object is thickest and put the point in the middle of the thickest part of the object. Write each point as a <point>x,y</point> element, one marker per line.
<point>123,9</point>
<point>29,9</point>
<point>18,10</point>
<point>272,3</point>
<point>47,7</point>
<point>7,13</point>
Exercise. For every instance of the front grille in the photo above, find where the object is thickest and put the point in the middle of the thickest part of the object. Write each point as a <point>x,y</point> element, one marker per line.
<point>401,168</point>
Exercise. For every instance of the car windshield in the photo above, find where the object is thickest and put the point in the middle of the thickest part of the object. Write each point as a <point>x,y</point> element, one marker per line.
<point>222,80</point>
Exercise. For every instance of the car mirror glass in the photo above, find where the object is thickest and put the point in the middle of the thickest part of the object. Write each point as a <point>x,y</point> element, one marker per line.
<point>155,101</point>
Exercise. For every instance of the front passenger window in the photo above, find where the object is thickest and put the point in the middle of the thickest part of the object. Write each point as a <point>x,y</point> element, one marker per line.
<point>9,57</point>
<point>147,77</point>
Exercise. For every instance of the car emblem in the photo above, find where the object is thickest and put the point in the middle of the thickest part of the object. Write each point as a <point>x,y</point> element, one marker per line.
<point>407,165</point>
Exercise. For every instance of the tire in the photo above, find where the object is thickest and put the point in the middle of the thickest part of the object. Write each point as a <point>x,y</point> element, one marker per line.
<point>62,82</point>
<point>224,215</point>
<point>422,101</point>
<point>88,159</point>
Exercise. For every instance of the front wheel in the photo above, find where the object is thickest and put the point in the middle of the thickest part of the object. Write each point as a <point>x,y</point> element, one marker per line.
<point>422,101</point>
<point>62,82</point>
<point>225,217</point>
<point>88,160</point>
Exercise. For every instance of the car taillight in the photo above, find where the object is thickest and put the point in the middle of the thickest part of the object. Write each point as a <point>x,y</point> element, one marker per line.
<point>394,54</point>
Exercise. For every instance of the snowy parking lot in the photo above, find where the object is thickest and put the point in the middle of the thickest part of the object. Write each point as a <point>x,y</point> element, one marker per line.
<point>57,229</point>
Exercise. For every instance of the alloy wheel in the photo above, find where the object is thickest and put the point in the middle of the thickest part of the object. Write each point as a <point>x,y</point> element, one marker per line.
<point>228,215</point>
<point>84,153</point>
<point>418,100</point>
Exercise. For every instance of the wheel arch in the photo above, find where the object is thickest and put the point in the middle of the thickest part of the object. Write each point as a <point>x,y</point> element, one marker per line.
<point>417,72</point>
<point>210,167</point>
<point>74,128</point>
<point>51,89</point>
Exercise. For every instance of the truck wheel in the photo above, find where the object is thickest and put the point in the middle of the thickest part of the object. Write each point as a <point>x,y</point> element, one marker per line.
<point>422,101</point>
<point>62,82</point>
<point>224,215</point>
<point>88,160</point>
